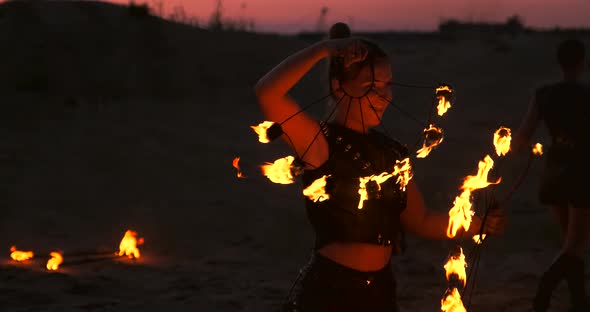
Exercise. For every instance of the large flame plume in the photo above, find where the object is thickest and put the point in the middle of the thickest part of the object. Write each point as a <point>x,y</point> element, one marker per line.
<point>433,137</point>
<point>128,245</point>
<point>461,214</point>
<point>384,176</point>
<point>443,94</point>
<point>403,170</point>
<point>55,260</point>
<point>502,138</point>
<point>279,171</point>
<point>538,149</point>
<point>236,165</point>
<point>316,191</point>
<point>261,131</point>
<point>18,255</point>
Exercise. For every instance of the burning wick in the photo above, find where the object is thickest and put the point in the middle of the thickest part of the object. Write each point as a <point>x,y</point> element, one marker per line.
<point>281,171</point>
<point>237,166</point>
<point>538,149</point>
<point>316,191</point>
<point>456,265</point>
<point>443,94</point>
<point>502,138</point>
<point>18,255</point>
<point>55,261</point>
<point>433,137</point>
<point>403,170</point>
<point>363,185</point>
<point>128,245</point>
<point>267,131</point>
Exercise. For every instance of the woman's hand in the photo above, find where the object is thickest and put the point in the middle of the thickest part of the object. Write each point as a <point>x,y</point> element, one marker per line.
<point>351,50</point>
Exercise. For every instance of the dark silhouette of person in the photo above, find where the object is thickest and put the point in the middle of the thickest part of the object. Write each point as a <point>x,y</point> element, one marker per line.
<point>564,108</point>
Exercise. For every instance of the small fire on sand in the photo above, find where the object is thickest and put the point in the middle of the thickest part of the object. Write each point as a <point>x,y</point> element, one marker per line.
<point>538,149</point>
<point>128,245</point>
<point>18,255</point>
<point>55,261</point>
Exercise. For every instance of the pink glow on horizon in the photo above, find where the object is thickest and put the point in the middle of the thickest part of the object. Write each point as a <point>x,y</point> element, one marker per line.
<point>294,16</point>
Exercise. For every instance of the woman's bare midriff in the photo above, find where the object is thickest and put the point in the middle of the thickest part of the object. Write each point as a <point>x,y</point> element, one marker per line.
<point>358,256</point>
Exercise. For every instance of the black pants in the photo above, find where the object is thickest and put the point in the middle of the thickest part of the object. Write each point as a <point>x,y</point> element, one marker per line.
<point>325,285</point>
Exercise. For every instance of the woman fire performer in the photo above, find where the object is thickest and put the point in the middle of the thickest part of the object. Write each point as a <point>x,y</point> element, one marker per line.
<point>565,109</point>
<point>350,267</point>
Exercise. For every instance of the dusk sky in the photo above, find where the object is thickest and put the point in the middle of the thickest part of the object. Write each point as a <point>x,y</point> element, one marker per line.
<point>297,15</point>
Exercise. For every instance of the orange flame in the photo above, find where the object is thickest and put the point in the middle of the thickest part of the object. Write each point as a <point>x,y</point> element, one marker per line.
<point>479,181</point>
<point>128,245</point>
<point>460,215</point>
<point>477,239</point>
<point>427,148</point>
<point>538,149</point>
<point>363,185</point>
<point>443,103</point>
<point>279,171</point>
<point>261,131</point>
<point>55,261</point>
<point>502,138</point>
<point>236,165</point>
<point>456,265</point>
<point>403,170</point>
<point>316,191</point>
<point>452,302</point>
<point>18,255</point>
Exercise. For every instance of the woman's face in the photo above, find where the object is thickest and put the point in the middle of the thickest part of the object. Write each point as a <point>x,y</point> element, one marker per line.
<point>365,110</point>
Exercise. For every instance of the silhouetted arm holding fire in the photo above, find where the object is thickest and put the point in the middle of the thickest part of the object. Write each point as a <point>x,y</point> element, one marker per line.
<point>419,220</point>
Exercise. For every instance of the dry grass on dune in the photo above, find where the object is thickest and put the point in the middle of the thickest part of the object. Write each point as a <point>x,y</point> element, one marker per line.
<point>137,126</point>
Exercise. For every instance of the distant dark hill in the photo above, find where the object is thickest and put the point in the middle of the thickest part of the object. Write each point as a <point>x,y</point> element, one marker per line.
<point>88,48</point>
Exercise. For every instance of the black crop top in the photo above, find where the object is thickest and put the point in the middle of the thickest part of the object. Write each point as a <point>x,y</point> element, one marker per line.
<point>353,155</point>
<point>565,109</point>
